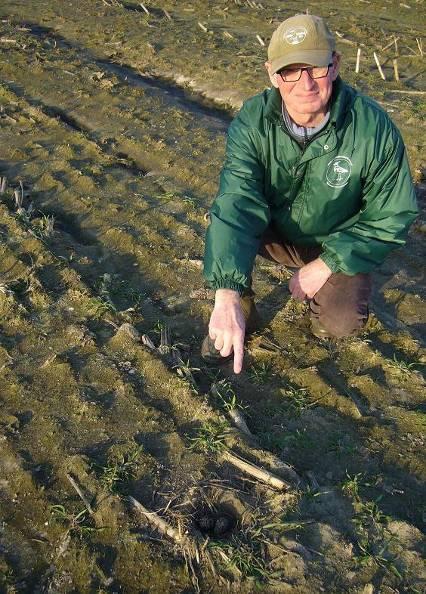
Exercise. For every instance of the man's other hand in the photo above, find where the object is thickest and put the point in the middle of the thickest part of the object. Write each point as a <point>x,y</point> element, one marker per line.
<point>227,326</point>
<point>309,279</point>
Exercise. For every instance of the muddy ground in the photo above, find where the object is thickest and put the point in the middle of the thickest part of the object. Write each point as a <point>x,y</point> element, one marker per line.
<point>113,121</point>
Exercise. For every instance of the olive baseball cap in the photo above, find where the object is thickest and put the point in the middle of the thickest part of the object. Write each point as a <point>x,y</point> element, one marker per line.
<point>301,39</point>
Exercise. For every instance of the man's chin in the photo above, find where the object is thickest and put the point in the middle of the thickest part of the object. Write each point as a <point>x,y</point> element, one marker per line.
<point>309,107</point>
<point>308,110</point>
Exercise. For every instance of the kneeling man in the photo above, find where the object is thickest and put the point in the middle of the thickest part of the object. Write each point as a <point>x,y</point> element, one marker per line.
<point>316,177</point>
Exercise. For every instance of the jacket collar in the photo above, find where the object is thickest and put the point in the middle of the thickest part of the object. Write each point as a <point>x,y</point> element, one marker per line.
<point>341,101</point>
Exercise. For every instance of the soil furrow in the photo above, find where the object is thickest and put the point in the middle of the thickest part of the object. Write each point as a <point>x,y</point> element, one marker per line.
<point>211,117</point>
<point>121,160</point>
<point>144,228</point>
<point>85,117</point>
<point>120,164</point>
<point>124,160</point>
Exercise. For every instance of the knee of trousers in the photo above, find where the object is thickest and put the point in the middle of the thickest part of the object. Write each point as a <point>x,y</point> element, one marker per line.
<point>341,306</point>
<point>342,324</point>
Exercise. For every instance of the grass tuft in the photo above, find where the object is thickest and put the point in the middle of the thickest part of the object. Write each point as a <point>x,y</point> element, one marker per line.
<point>244,558</point>
<point>78,523</point>
<point>43,227</point>
<point>402,366</point>
<point>260,373</point>
<point>117,473</point>
<point>226,394</point>
<point>350,486</point>
<point>210,437</point>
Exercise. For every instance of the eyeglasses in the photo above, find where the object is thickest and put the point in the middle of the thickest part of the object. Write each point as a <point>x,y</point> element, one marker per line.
<point>294,74</point>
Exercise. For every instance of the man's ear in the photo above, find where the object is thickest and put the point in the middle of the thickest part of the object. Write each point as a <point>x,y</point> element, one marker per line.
<point>336,66</point>
<point>272,77</point>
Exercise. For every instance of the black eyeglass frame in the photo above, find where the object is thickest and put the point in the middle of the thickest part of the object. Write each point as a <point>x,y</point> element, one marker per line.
<point>307,68</point>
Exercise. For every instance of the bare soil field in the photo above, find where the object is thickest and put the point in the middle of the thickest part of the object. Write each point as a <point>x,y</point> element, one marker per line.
<point>124,462</point>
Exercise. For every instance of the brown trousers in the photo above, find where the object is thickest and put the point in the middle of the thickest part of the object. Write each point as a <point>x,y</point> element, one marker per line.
<point>341,305</point>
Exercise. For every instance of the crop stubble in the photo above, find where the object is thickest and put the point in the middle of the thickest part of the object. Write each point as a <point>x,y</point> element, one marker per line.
<point>126,165</point>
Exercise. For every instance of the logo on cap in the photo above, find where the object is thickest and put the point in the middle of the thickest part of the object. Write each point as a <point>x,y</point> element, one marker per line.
<point>338,171</point>
<point>295,35</point>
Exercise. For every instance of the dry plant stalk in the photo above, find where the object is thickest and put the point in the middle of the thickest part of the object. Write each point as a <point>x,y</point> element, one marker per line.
<point>182,369</point>
<point>48,361</point>
<point>251,469</point>
<point>240,424</point>
<point>167,14</point>
<point>144,8</point>
<point>260,40</point>
<point>239,421</point>
<point>343,39</point>
<point>358,59</point>
<point>395,69</point>
<point>165,341</point>
<point>393,41</point>
<point>148,342</point>
<point>158,523</point>
<point>236,415</point>
<point>420,46</point>
<point>19,195</point>
<point>165,528</point>
<point>80,494</point>
<point>410,49</point>
<point>407,93</point>
<point>202,27</point>
<point>378,66</point>
<point>289,470</point>
<point>189,546</point>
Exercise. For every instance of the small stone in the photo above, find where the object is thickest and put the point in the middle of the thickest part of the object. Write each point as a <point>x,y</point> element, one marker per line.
<point>296,547</point>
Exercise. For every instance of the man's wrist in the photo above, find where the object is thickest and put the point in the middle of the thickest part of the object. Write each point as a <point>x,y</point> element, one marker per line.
<point>324,266</point>
<point>329,260</point>
<point>226,295</point>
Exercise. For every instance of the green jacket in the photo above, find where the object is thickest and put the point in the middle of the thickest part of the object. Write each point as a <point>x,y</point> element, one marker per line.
<point>349,190</point>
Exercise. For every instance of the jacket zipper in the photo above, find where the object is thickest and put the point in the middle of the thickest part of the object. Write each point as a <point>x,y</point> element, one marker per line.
<point>302,149</point>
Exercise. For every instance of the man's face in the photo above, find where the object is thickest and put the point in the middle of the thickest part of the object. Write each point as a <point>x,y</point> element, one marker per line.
<point>306,97</point>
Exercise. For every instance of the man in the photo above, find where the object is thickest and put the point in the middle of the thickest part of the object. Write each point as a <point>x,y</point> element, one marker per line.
<point>315,177</point>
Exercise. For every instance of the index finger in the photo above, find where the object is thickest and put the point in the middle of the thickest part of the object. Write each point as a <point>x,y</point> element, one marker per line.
<point>238,344</point>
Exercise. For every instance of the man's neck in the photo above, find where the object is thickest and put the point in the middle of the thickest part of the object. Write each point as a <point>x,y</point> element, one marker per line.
<point>301,134</point>
<point>307,120</point>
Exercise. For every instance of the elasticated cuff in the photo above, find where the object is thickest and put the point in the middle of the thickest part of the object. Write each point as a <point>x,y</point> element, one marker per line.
<point>330,260</point>
<point>227,284</point>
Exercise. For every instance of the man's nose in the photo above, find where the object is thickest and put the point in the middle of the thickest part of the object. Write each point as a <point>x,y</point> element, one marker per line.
<point>307,81</point>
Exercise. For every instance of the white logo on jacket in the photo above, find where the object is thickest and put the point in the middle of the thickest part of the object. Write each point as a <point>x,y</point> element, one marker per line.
<point>338,171</point>
<point>295,35</point>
